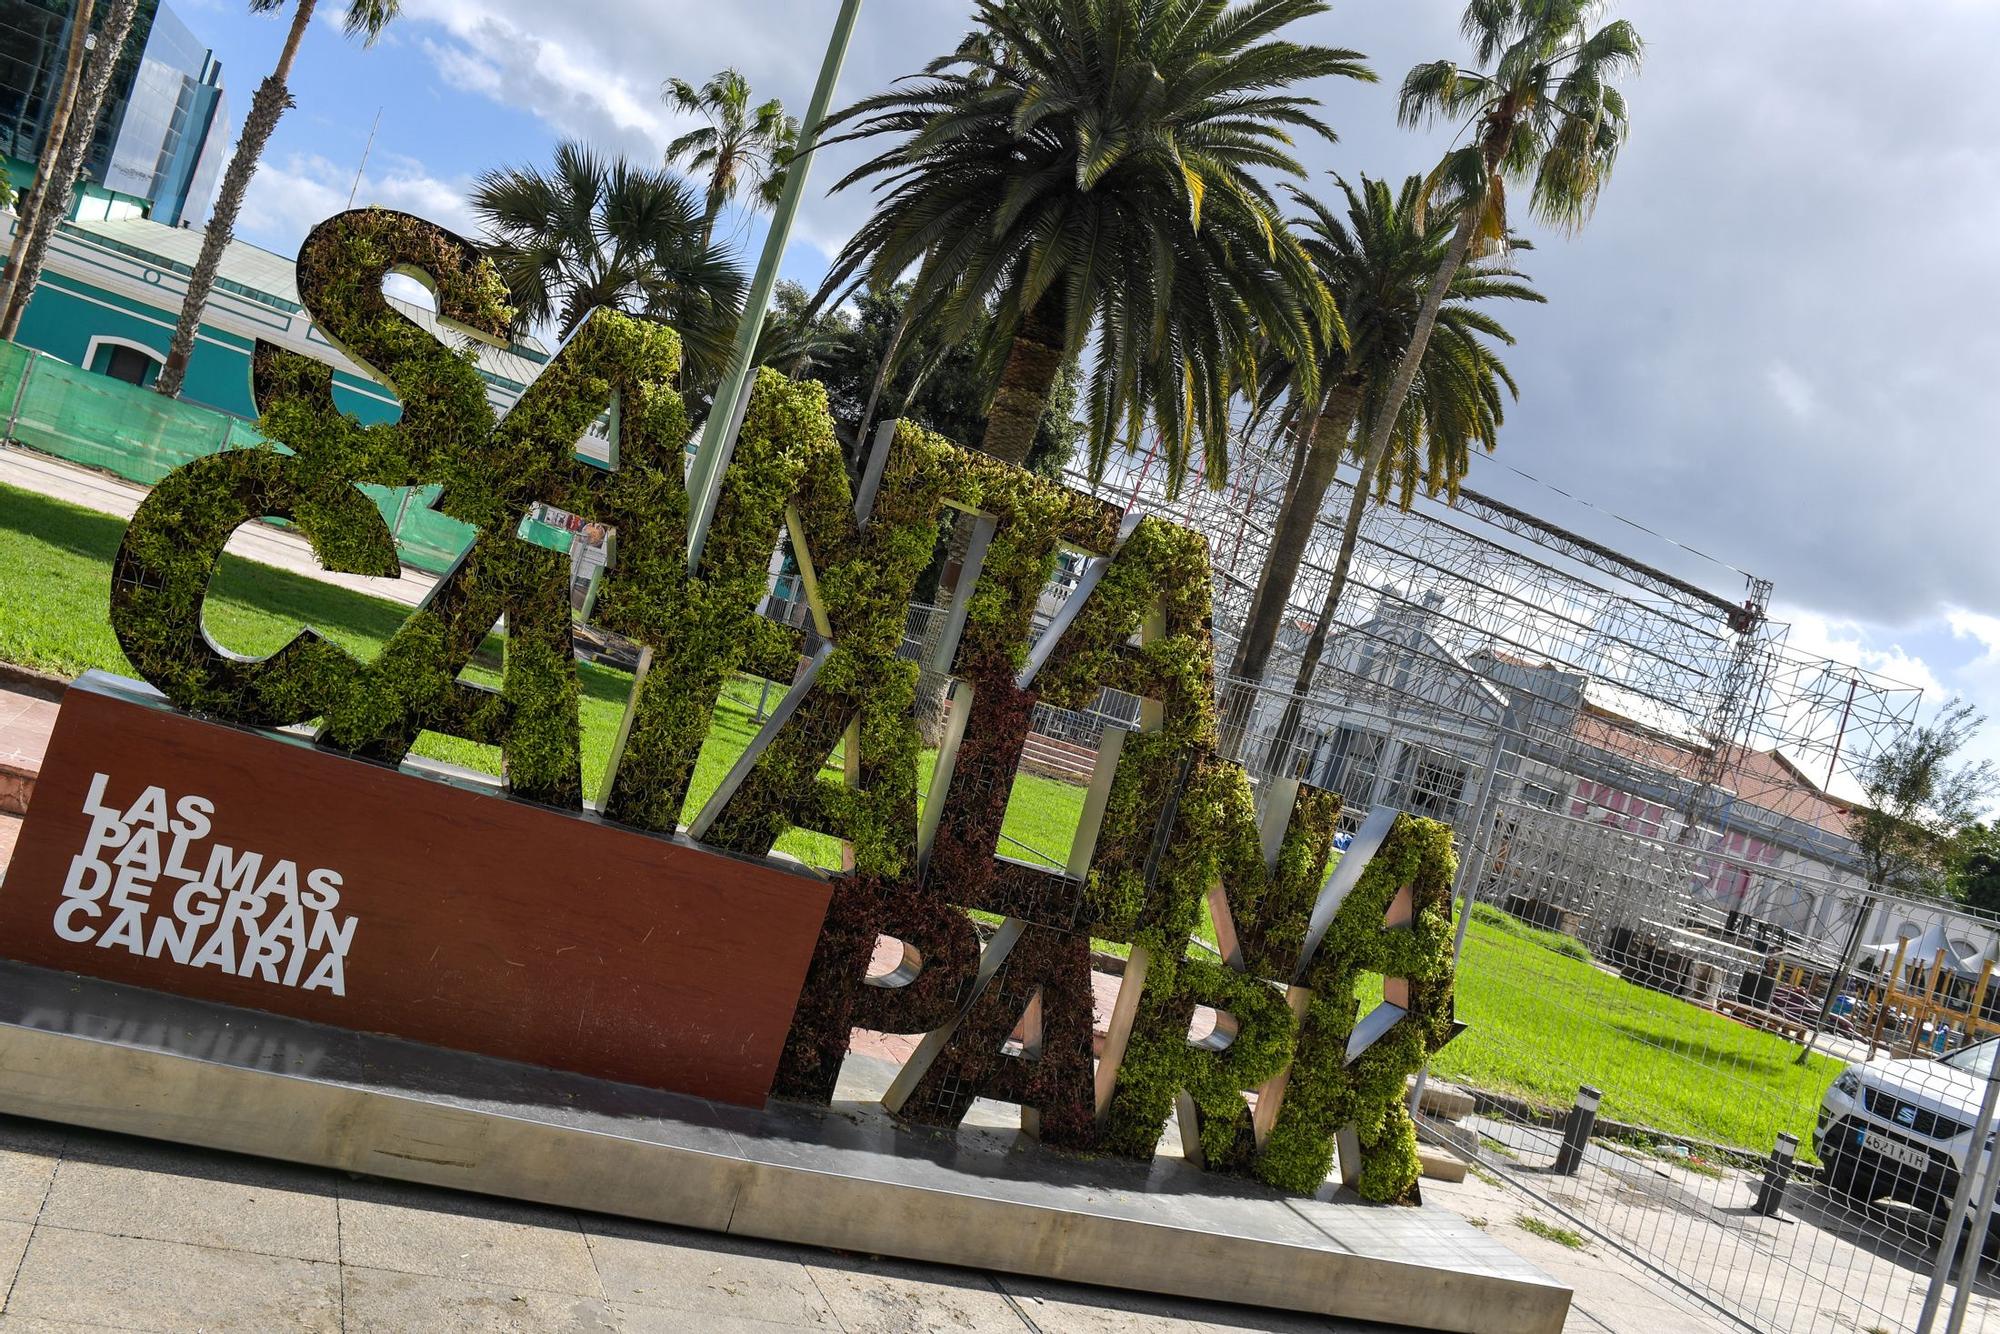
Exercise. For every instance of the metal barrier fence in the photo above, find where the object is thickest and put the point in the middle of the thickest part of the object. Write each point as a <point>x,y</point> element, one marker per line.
<point>1651,789</point>
<point>1670,993</point>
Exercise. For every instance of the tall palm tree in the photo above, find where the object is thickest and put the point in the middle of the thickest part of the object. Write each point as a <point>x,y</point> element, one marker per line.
<point>1378,264</point>
<point>52,145</point>
<point>590,232</point>
<point>1084,172</point>
<point>53,194</point>
<point>364,18</point>
<point>742,148</point>
<point>1541,108</point>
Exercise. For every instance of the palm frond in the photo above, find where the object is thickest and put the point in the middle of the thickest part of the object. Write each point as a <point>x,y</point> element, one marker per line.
<point>1115,156</point>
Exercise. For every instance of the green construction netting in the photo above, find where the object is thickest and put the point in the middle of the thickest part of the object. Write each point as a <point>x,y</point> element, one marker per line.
<point>104,423</point>
<point>59,409</point>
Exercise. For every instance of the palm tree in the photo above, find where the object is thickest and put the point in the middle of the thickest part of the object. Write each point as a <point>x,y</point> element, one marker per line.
<point>1088,167</point>
<point>741,148</point>
<point>590,232</point>
<point>52,195</point>
<point>365,18</point>
<point>1378,264</point>
<point>52,146</point>
<point>1542,109</point>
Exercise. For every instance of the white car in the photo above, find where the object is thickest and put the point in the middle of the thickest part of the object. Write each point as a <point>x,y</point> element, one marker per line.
<point>1903,1129</point>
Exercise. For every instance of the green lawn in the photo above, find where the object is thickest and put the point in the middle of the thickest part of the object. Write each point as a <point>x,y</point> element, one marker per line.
<point>1540,1019</point>
<point>1541,1022</point>
<point>55,560</point>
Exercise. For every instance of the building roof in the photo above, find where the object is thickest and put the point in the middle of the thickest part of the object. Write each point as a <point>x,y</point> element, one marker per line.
<point>256,272</point>
<point>1761,778</point>
<point>243,264</point>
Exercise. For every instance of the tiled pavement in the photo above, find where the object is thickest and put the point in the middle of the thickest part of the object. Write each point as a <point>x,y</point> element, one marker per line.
<point>99,1231</point>
<point>25,721</point>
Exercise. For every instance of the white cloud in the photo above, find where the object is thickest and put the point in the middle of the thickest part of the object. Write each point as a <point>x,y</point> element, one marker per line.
<point>1981,676</point>
<point>593,72</point>
<point>1794,392</point>
<point>290,195</point>
<point>1977,625</point>
<point>463,69</point>
<point>1854,644</point>
<point>576,82</point>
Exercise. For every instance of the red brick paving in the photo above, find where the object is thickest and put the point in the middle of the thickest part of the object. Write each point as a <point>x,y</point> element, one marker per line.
<point>901,1046</point>
<point>25,721</point>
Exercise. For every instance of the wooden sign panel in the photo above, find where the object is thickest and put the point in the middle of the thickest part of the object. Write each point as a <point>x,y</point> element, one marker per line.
<point>216,862</point>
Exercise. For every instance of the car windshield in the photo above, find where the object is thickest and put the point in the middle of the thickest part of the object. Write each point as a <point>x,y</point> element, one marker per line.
<point>1978,1060</point>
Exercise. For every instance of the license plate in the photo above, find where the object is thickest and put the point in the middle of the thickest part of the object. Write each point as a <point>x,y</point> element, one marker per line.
<point>1903,1155</point>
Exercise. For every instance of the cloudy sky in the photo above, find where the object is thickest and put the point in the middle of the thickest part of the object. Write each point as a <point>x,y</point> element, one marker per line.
<point>1766,345</point>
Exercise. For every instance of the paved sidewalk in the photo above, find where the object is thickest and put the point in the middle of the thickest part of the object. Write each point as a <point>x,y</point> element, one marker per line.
<point>104,1231</point>
<point>26,718</point>
<point>260,542</point>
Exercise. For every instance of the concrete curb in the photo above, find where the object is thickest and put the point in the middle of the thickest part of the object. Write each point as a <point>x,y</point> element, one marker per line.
<point>28,681</point>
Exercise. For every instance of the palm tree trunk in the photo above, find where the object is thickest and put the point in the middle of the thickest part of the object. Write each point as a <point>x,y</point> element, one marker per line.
<point>55,192</point>
<point>1326,441</point>
<point>1420,338</point>
<point>1350,533</point>
<point>1033,363</point>
<point>266,107</point>
<point>52,146</point>
<point>709,214</point>
<point>1320,437</point>
<point>881,379</point>
<point>1499,139</point>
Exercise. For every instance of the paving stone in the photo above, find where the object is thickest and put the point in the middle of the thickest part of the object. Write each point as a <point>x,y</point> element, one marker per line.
<point>14,1239</point>
<point>136,1283</point>
<point>416,1230</point>
<point>633,1319</point>
<point>1062,1308</point>
<point>891,1297</point>
<point>391,1302</point>
<point>1072,1308</point>
<point>135,1189</point>
<point>706,1273</point>
<point>29,1152</point>
<point>26,720</point>
<point>22,1324</point>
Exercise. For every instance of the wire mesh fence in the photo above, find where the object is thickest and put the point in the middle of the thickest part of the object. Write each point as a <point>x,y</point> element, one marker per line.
<point>1667,913</point>
<point>1793,1190</point>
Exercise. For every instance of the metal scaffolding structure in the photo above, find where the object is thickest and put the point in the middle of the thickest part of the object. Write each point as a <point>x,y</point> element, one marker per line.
<point>1650,772</point>
<point>1589,671</point>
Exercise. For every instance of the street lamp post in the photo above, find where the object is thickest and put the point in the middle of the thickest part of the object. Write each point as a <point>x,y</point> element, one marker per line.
<point>732,396</point>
